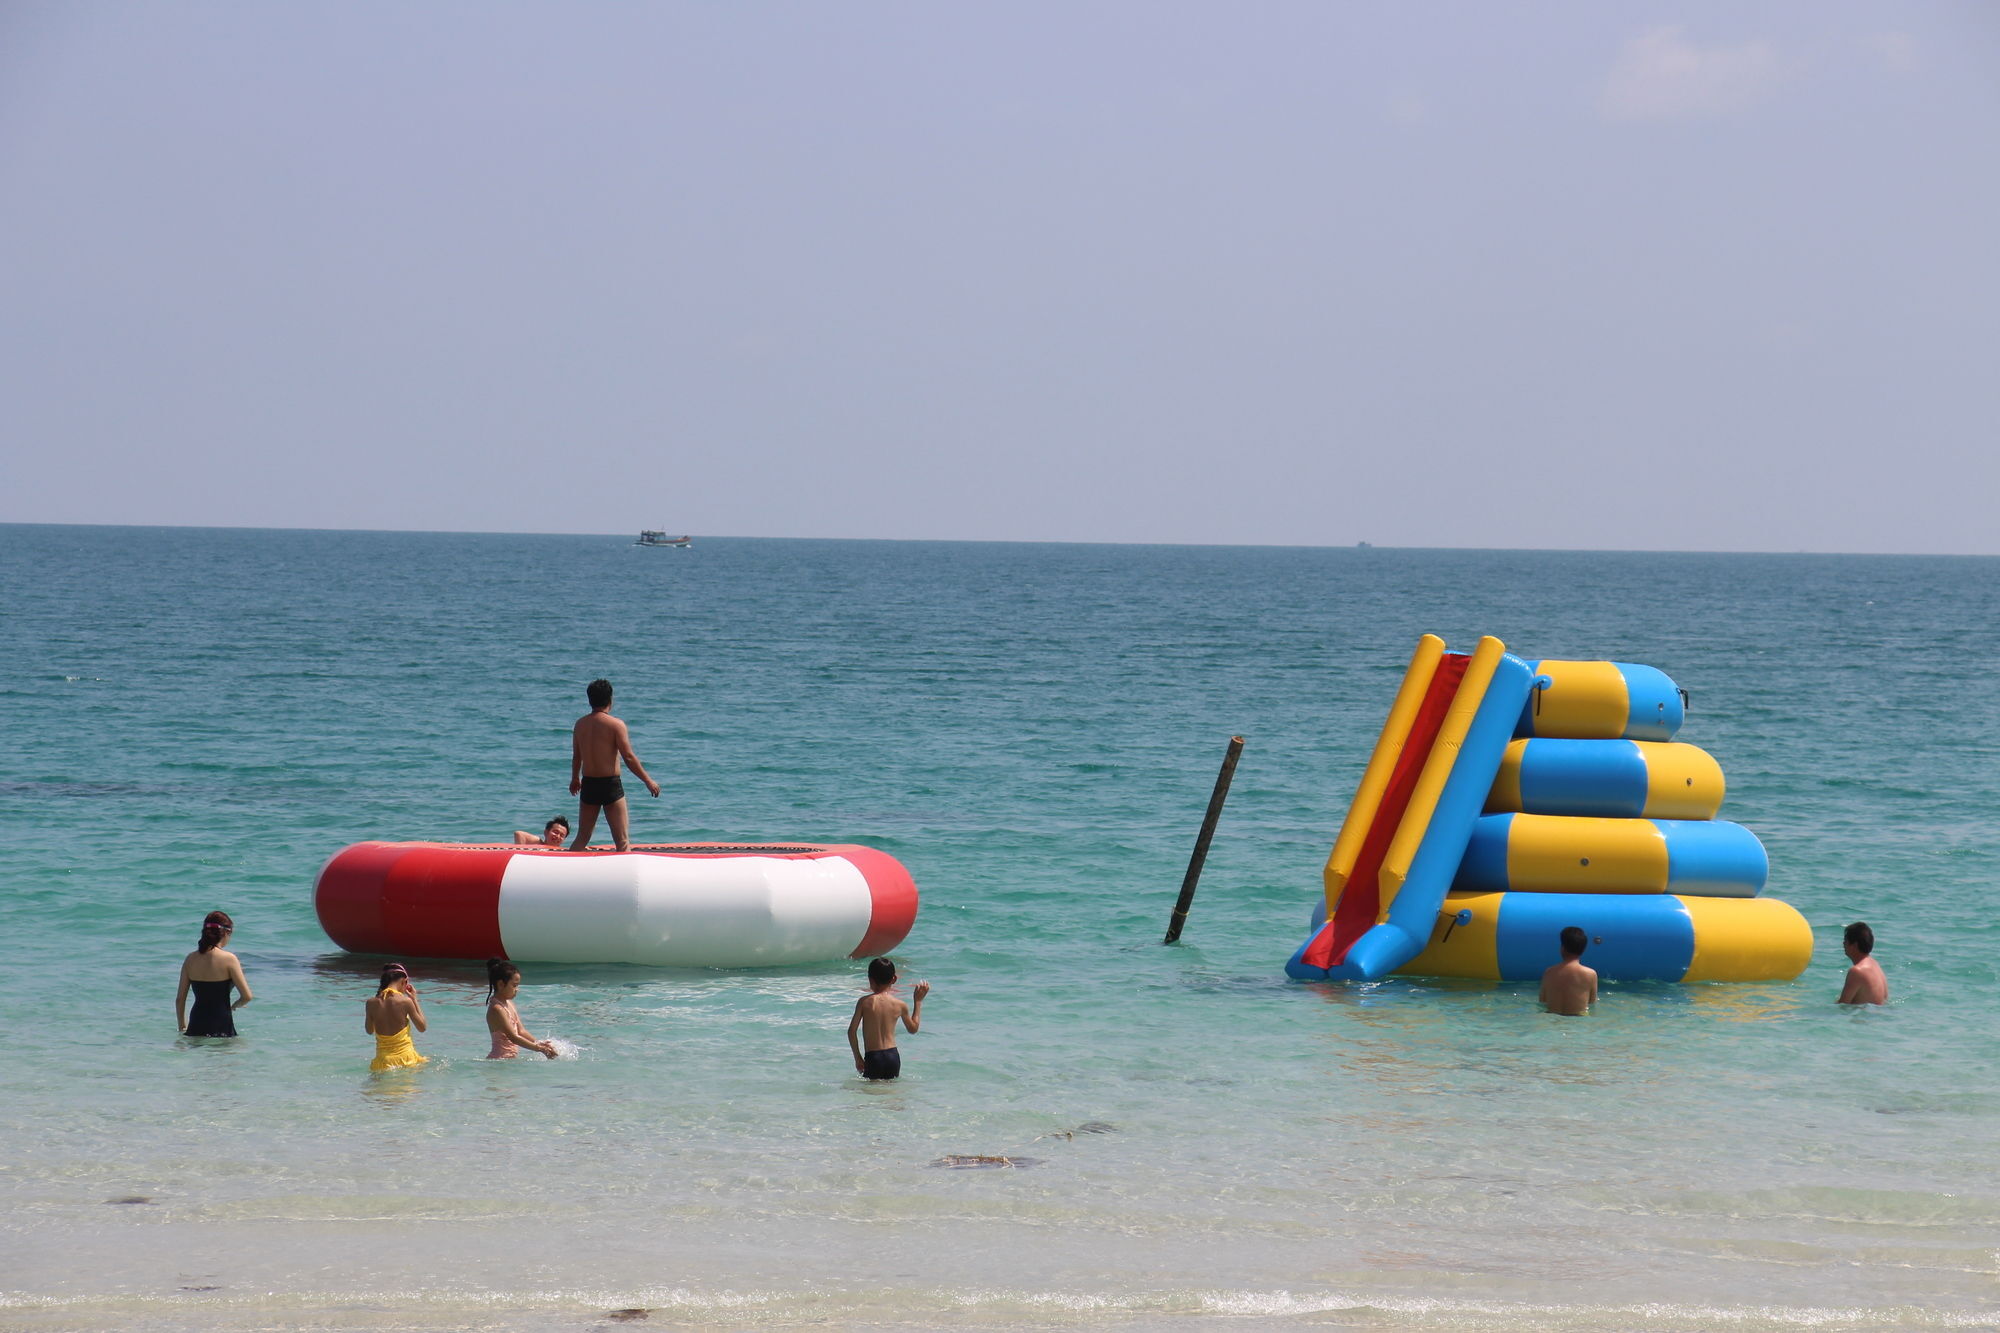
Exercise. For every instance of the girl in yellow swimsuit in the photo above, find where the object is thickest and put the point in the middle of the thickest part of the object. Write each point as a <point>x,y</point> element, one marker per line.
<point>391,1014</point>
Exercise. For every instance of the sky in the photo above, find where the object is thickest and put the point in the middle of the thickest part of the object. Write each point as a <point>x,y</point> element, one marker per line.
<point>1608,275</point>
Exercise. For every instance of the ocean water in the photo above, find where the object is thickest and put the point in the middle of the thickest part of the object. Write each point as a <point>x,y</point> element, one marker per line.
<point>197,719</point>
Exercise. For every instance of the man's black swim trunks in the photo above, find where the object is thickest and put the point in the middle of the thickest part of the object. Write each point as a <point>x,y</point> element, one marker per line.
<point>602,791</point>
<point>885,1063</point>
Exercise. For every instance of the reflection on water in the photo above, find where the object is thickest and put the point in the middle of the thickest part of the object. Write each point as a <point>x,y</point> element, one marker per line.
<point>1483,1038</point>
<point>887,1093</point>
<point>1739,1003</point>
<point>1400,993</point>
<point>220,1047</point>
<point>366,969</point>
<point>397,1086</point>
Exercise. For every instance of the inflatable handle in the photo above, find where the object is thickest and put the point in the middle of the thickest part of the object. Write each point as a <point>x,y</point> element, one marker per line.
<point>1438,767</point>
<point>1381,766</point>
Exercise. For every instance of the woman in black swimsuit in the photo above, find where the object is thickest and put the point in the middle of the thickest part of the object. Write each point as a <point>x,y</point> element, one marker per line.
<point>210,971</point>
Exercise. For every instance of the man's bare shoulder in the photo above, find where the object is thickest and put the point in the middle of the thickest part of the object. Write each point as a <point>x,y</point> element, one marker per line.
<point>1866,984</point>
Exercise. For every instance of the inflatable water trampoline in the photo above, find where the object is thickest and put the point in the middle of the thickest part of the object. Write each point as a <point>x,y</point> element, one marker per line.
<point>667,904</point>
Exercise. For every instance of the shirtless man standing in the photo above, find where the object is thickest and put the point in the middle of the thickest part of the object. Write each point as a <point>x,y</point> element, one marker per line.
<point>597,743</point>
<point>875,1018</point>
<point>1569,988</point>
<point>1865,982</point>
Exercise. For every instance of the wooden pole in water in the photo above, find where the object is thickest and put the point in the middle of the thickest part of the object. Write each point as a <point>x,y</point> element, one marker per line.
<point>1179,918</point>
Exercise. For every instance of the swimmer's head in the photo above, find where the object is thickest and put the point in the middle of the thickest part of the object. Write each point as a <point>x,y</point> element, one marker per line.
<point>498,973</point>
<point>555,831</point>
<point>392,975</point>
<point>881,973</point>
<point>599,693</point>
<point>1573,941</point>
<point>215,928</point>
<point>1859,941</point>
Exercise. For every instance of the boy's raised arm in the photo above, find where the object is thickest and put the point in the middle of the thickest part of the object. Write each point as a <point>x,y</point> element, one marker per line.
<point>912,1015</point>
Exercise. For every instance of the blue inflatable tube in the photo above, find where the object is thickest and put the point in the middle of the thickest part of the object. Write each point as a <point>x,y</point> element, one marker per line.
<point>1649,937</point>
<point>1564,854</point>
<point>1616,779</point>
<point>1602,701</point>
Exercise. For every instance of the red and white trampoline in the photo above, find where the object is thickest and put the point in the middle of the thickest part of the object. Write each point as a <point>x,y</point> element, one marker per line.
<point>667,905</point>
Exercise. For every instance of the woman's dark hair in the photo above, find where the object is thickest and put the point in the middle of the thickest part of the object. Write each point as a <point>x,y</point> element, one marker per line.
<point>392,974</point>
<point>497,971</point>
<point>213,927</point>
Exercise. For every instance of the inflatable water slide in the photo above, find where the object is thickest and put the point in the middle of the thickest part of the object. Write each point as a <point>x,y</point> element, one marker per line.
<point>1507,799</point>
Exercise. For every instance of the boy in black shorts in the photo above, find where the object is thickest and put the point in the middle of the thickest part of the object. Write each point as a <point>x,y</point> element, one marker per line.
<point>875,1017</point>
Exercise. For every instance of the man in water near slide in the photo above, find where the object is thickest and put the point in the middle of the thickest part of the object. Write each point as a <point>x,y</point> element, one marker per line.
<point>1569,988</point>
<point>1865,983</point>
<point>597,743</point>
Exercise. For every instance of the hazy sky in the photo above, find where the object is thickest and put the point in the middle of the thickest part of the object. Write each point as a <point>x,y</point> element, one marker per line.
<point>1582,274</point>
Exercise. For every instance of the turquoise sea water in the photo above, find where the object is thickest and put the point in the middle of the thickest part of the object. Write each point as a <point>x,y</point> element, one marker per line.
<point>198,718</point>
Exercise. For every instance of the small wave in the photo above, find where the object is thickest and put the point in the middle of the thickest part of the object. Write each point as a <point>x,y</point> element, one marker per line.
<point>63,787</point>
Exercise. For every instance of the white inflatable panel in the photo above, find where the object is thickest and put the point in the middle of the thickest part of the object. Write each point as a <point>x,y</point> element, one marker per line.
<point>682,911</point>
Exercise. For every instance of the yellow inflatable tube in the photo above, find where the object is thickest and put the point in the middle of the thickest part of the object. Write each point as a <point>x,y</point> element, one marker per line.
<point>1513,937</point>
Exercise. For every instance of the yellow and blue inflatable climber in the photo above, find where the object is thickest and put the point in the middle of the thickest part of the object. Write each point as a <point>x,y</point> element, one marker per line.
<point>1506,800</point>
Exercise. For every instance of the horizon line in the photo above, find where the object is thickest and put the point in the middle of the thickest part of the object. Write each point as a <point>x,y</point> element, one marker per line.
<point>1019,541</point>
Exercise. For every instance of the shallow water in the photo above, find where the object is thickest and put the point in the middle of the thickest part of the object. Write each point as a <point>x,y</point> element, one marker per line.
<point>198,718</point>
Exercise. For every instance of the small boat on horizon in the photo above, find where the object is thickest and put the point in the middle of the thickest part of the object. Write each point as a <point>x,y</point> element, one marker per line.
<point>649,537</point>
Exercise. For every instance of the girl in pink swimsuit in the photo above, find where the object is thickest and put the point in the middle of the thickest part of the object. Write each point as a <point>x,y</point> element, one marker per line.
<point>503,983</point>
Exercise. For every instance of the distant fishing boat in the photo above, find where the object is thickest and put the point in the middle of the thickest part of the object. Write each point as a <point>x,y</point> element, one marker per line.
<point>648,537</point>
